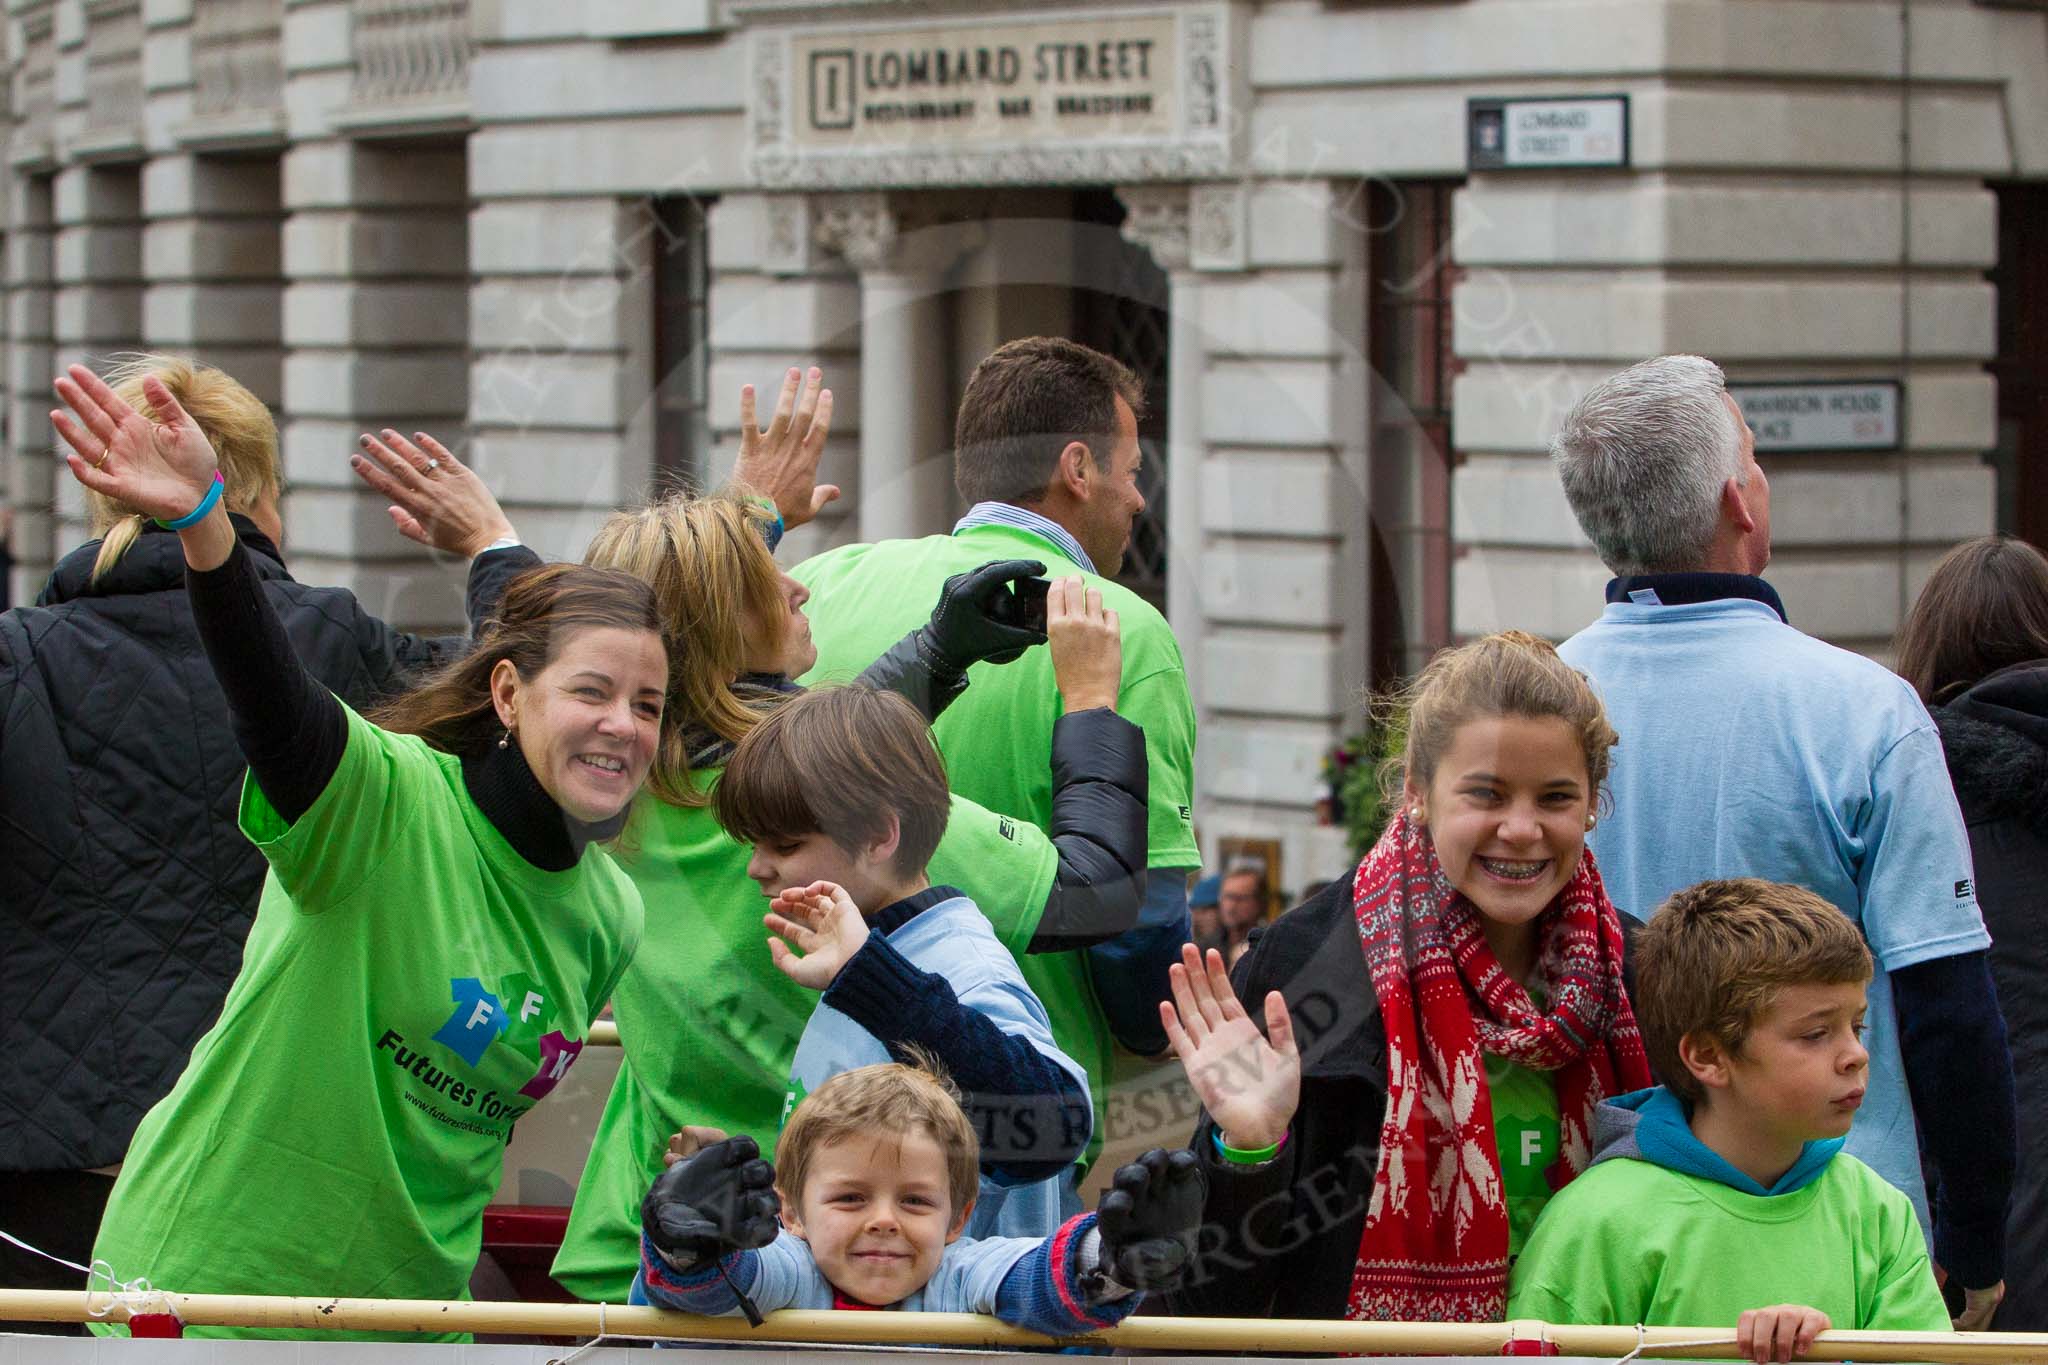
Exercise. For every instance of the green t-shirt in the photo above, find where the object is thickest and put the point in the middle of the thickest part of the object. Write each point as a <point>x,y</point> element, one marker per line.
<point>410,987</point>
<point>710,1027</point>
<point>864,598</point>
<point>1631,1242</point>
<point>1525,1131</point>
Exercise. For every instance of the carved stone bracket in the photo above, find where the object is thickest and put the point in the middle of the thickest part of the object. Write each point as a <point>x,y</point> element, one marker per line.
<point>1157,220</point>
<point>878,236</point>
<point>860,227</point>
<point>1217,228</point>
<point>787,248</point>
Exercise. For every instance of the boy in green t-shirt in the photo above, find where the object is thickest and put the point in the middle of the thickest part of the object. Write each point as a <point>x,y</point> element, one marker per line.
<point>1726,1194</point>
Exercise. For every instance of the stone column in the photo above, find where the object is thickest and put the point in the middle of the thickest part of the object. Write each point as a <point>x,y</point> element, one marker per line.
<point>376,334</point>
<point>211,249</point>
<point>98,304</point>
<point>1158,222</point>
<point>778,300</point>
<point>31,358</point>
<point>906,472</point>
<point>1269,499</point>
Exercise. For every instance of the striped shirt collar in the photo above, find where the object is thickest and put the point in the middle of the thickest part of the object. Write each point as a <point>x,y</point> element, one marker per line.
<point>1024,519</point>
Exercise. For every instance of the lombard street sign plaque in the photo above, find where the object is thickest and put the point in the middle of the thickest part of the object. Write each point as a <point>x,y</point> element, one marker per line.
<point>1101,94</point>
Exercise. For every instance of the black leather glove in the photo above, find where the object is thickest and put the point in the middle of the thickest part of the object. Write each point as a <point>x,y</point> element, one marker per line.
<point>929,665</point>
<point>968,625</point>
<point>717,1202</point>
<point>1148,1218</point>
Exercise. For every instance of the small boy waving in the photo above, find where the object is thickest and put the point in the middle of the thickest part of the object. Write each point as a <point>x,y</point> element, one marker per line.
<point>875,1179</point>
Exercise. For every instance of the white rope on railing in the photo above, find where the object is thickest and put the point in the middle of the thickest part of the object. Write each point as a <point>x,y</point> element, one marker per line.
<point>1236,1336</point>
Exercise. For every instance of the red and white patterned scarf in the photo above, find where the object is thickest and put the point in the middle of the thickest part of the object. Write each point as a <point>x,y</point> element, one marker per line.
<point>1435,1247</point>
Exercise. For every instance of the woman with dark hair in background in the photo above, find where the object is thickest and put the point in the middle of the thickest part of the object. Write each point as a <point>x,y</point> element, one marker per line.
<point>114,749</point>
<point>435,933</point>
<point>1975,647</point>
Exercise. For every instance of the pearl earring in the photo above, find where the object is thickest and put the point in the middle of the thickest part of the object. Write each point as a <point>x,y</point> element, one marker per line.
<point>505,740</point>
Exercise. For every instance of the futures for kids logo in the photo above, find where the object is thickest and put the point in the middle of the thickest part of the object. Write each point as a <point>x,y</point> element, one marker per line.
<point>516,1015</point>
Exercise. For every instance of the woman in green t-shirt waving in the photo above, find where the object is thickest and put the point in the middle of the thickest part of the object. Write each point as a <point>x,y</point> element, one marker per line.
<point>435,933</point>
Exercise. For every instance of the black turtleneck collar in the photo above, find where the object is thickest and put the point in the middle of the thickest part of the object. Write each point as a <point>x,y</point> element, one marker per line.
<point>1679,589</point>
<point>890,918</point>
<point>154,563</point>
<point>505,789</point>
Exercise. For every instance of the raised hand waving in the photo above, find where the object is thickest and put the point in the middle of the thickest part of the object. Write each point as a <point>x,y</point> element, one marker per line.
<point>161,465</point>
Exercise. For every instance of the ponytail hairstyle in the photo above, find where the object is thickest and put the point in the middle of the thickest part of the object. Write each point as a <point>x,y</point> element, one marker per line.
<point>240,427</point>
<point>1985,607</point>
<point>542,609</point>
<point>717,589</point>
<point>1512,673</point>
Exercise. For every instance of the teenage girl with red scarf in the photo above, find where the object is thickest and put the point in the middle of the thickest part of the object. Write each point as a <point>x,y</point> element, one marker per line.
<point>1437,1027</point>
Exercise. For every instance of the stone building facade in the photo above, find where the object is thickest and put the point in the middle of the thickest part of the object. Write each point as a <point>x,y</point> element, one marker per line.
<point>566,233</point>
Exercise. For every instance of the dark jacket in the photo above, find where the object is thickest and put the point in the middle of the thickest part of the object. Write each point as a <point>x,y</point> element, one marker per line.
<point>1996,739</point>
<point>126,889</point>
<point>1281,1240</point>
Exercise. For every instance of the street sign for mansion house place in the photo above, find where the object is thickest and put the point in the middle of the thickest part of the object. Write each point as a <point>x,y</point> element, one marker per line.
<point>1095,94</point>
<point>1840,414</point>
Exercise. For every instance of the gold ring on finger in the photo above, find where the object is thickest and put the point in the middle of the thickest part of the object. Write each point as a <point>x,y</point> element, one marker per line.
<point>104,452</point>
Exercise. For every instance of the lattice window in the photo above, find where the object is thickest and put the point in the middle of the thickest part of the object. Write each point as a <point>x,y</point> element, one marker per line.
<point>236,62</point>
<point>410,50</point>
<point>1408,226</point>
<point>1129,320</point>
<point>682,351</point>
<point>113,65</point>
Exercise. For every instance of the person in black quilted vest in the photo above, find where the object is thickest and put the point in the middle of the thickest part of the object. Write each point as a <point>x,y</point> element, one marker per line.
<point>126,889</point>
<point>1975,647</point>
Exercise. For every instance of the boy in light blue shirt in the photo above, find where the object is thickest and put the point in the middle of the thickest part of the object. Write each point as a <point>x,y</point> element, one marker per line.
<point>874,1181</point>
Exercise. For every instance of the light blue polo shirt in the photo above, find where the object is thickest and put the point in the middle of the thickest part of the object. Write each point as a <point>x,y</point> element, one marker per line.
<point>1751,750</point>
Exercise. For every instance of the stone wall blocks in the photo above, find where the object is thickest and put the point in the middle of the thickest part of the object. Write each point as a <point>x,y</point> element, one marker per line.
<point>583,79</point>
<point>1270,583</point>
<point>30,313</point>
<point>730,371</point>
<point>1833,500</point>
<point>1546,592</point>
<point>559,237</point>
<point>1244,666</point>
<point>1271,493</point>
<point>374,245</point>
<point>1513,500</point>
<point>760,313</point>
<point>1840,597</point>
<point>99,319</point>
<point>631,155</point>
<point>99,255</point>
<point>426,596</point>
<point>536,466</point>
<point>317,38</point>
<point>1949,498</point>
<point>371,315</point>
<point>1272,313</point>
<point>343,384</point>
<point>1265,761</point>
<point>312,99</point>
<point>167,60</point>
<point>1270,403</point>
<point>84,194</point>
<point>189,315</point>
<point>354,176</point>
<point>569,314</point>
<point>522,387</point>
<point>1956,410</point>
<point>225,249</point>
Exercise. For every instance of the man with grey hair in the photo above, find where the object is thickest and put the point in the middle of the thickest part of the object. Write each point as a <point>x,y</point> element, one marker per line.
<point>1749,749</point>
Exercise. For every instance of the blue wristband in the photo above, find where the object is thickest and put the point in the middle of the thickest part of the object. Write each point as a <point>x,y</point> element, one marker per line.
<point>197,514</point>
